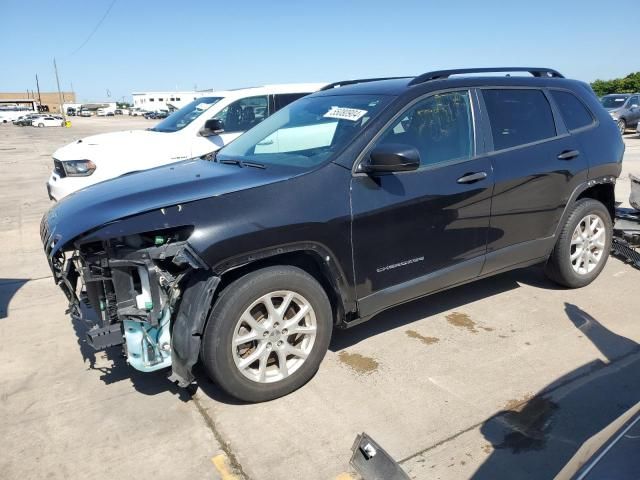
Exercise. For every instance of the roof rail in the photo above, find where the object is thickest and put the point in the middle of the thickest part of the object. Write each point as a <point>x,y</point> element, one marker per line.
<point>440,74</point>
<point>361,80</point>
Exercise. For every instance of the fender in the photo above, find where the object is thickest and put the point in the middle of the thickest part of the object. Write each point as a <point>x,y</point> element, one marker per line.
<point>603,180</point>
<point>324,257</point>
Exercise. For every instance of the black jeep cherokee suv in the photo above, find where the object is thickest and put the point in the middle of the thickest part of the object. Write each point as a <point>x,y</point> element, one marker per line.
<point>347,202</point>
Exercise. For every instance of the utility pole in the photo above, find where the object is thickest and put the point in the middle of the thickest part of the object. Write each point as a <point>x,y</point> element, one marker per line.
<point>38,86</point>
<point>55,67</point>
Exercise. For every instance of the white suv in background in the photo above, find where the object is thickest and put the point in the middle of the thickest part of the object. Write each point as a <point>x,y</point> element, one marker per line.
<point>201,127</point>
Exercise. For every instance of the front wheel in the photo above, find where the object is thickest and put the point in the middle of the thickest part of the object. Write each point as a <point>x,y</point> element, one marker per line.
<point>622,126</point>
<point>40,125</point>
<point>583,246</point>
<point>267,333</point>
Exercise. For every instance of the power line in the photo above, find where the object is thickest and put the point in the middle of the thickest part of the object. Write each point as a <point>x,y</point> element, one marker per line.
<point>95,29</point>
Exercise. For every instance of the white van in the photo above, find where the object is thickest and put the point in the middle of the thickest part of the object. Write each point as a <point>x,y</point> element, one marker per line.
<point>201,127</point>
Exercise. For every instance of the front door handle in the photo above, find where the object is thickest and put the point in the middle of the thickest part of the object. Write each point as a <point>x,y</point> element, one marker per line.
<point>472,177</point>
<point>568,154</point>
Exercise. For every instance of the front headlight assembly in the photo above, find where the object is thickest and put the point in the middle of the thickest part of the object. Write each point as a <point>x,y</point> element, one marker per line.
<point>78,168</point>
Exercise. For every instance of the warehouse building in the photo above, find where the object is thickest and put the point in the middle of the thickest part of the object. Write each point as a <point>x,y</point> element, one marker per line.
<point>154,101</point>
<point>51,99</point>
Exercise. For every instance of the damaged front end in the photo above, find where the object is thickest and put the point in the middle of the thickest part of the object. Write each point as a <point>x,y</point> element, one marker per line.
<point>134,284</point>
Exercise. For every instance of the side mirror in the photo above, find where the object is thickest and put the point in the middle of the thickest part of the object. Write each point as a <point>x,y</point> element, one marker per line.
<point>213,126</point>
<point>391,157</point>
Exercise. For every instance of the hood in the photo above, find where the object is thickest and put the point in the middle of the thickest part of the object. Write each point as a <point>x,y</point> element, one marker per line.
<point>178,183</point>
<point>114,145</point>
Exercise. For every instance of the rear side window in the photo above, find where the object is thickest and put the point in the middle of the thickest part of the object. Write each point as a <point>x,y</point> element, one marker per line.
<point>573,111</point>
<point>284,99</point>
<point>518,116</point>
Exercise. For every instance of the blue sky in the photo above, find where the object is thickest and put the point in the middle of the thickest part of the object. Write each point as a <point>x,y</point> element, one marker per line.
<point>160,45</point>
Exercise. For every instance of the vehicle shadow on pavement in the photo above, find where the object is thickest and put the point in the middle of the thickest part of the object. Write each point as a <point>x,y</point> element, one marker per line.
<point>113,366</point>
<point>535,438</point>
<point>8,288</point>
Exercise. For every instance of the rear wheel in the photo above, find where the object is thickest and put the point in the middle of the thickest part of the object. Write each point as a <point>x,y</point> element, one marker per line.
<point>583,245</point>
<point>267,333</point>
<point>622,126</point>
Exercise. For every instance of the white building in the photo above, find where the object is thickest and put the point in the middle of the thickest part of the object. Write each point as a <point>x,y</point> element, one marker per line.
<point>155,101</point>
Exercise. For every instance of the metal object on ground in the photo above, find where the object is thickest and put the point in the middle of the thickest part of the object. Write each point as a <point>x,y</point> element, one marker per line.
<point>372,462</point>
<point>626,234</point>
<point>634,198</point>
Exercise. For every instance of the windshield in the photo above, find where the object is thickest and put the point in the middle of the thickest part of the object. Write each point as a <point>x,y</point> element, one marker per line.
<point>306,132</point>
<point>187,114</point>
<point>613,101</point>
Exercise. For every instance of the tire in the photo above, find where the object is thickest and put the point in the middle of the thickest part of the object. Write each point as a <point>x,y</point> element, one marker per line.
<point>622,125</point>
<point>266,378</point>
<point>40,125</point>
<point>581,271</point>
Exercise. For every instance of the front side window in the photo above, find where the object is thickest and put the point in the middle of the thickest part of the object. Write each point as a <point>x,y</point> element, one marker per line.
<point>439,127</point>
<point>518,116</point>
<point>187,114</point>
<point>573,111</point>
<point>243,114</point>
<point>634,101</point>
<point>307,132</point>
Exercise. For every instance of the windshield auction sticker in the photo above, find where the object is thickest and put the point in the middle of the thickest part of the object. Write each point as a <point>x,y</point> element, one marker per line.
<point>343,113</point>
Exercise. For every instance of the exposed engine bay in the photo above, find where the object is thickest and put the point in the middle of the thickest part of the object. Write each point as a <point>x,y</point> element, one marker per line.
<point>133,285</point>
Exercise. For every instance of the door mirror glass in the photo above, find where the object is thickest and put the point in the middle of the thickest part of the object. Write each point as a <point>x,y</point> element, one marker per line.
<point>392,157</point>
<point>213,126</point>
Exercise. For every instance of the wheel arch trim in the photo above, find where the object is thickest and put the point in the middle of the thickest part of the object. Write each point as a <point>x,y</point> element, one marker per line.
<point>328,262</point>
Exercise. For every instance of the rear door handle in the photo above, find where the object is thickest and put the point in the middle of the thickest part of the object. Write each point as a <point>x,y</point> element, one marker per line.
<point>472,177</point>
<point>568,154</point>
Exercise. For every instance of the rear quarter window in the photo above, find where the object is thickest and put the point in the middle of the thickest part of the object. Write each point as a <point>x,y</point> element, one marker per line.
<point>573,111</point>
<point>518,116</point>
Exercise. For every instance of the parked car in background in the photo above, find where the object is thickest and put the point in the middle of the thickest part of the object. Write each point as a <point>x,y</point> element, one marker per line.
<point>85,113</point>
<point>47,121</point>
<point>71,112</point>
<point>25,119</point>
<point>118,111</point>
<point>104,112</point>
<point>201,127</point>
<point>137,112</point>
<point>624,108</point>
<point>350,201</point>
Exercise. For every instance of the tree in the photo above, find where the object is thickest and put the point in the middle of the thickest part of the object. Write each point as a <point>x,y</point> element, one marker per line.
<point>628,84</point>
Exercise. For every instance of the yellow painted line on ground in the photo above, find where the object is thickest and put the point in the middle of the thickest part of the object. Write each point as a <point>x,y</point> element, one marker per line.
<point>222,466</point>
<point>344,476</point>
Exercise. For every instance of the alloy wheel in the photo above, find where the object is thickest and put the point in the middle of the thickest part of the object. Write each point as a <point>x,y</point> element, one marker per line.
<point>587,244</point>
<point>274,336</point>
